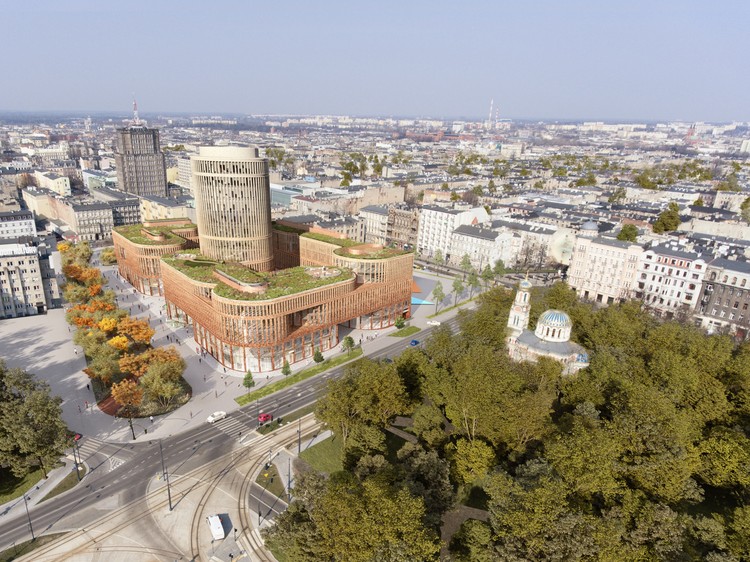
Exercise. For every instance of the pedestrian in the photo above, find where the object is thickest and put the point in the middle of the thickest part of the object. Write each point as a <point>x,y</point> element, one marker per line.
<point>79,408</point>
<point>225,369</point>
<point>151,418</point>
<point>191,413</point>
<point>199,360</point>
<point>216,392</point>
<point>225,383</point>
<point>87,404</point>
<point>75,351</point>
<point>88,387</point>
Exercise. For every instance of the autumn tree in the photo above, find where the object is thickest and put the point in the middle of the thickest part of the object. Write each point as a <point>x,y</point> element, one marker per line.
<point>129,396</point>
<point>139,331</point>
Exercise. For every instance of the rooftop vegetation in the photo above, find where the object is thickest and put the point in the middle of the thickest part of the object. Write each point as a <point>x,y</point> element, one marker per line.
<point>342,242</point>
<point>376,254</point>
<point>283,283</point>
<point>199,269</point>
<point>285,228</point>
<point>133,233</point>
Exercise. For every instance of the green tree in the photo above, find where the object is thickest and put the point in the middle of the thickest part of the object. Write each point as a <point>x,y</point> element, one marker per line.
<point>286,370</point>
<point>458,288</point>
<point>699,202</point>
<point>668,220</point>
<point>438,294</point>
<point>445,187</point>
<point>466,265</point>
<point>247,380</point>
<point>32,432</point>
<point>318,356</point>
<point>491,187</point>
<point>628,233</point>
<point>400,322</point>
<point>348,344</point>
<point>473,282</point>
<point>745,210</point>
<point>487,276</point>
<point>471,459</point>
<point>439,259</point>
<point>499,268</point>
<point>618,196</point>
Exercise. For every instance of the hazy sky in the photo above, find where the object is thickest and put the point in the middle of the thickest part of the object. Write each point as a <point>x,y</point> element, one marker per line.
<point>566,59</point>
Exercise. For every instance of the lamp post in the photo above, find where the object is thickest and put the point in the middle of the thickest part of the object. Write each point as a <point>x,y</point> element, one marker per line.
<point>31,527</point>
<point>299,436</point>
<point>76,462</point>
<point>165,474</point>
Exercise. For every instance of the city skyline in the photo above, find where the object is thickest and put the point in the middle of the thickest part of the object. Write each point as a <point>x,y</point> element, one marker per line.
<point>581,60</point>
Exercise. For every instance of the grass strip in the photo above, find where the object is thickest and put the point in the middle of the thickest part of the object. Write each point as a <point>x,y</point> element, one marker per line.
<point>404,332</point>
<point>65,484</point>
<point>297,377</point>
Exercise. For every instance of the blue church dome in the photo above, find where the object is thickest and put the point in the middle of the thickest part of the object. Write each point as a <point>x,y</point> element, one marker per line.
<point>555,319</point>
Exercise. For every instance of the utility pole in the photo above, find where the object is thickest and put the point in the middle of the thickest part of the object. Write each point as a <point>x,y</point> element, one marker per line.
<point>299,436</point>
<point>77,462</point>
<point>166,475</point>
<point>31,527</point>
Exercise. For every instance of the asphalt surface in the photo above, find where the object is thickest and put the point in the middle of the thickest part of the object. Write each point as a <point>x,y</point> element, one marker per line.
<point>111,485</point>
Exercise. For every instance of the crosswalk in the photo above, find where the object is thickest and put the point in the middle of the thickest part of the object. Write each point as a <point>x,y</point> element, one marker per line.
<point>237,424</point>
<point>95,452</point>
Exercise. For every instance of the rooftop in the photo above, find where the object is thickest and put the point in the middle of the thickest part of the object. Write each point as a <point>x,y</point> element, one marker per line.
<point>133,232</point>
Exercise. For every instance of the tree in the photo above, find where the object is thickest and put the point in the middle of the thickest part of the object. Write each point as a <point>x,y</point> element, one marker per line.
<point>348,344</point>
<point>473,282</point>
<point>745,210</point>
<point>668,220</point>
<point>466,265</point>
<point>247,380</point>
<point>439,259</point>
<point>487,276</point>
<point>400,322</point>
<point>138,331</point>
<point>458,288</point>
<point>438,294</point>
<point>32,432</point>
<point>129,396</point>
<point>699,202</point>
<point>499,268</point>
<point>618,196</point>
<point>471,459</point>
<point>628,233</point>
<point>160,385</point>
<point>318,356</point>
<point>491,187</point>
<point>286,370</point>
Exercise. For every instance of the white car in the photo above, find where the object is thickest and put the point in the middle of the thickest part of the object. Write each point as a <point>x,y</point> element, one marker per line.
<point>433,323</point>
<point>216,416</point>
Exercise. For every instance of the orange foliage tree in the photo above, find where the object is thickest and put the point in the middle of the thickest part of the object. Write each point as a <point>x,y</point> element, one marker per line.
<point>120,343</point>
<point>107,324</point>
<point>137,365</point>
<point>137,330</point>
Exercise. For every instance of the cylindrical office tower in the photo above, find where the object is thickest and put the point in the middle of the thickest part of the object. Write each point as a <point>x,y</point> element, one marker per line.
<point>233,205</point>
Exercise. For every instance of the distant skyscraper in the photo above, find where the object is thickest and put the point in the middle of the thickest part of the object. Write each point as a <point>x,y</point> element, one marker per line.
<point>140,162</point>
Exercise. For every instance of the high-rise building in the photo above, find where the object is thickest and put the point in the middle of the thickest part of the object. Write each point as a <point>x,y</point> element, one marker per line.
<point>140,162</point>
<point>233,205</point>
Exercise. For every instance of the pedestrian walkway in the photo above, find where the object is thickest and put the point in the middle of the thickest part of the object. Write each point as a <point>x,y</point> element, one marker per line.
<point>37,493</point>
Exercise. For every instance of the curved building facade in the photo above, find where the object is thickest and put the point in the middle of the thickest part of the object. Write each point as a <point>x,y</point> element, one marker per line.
<point>233,205</point>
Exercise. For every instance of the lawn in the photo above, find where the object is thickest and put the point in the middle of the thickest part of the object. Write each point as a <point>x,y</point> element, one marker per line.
<point>404,332</point>
<point>12,487</point>
<point>297,377</point>
<point>65,484</point>
<point>324,456</point>
<point>25,547</point>
<point>269,478</point>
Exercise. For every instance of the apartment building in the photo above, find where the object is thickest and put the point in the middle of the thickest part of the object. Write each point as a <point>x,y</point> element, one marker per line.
<point>54,182</point>
<point>669,281</point>
<point>484,246</point>
<point>604,270</point>
<point>403,225</point>
<point>436,226</point>
<point>14,224</point>
<point>28,284</point>
<point>375,218</point>
<point>725,298</point>
<point>126,209</point>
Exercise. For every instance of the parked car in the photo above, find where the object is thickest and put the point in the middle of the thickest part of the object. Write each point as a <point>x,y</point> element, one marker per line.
<point>414,343</point>
<point>433,323</point>
<point>265,417</point>
<point>216,416</point>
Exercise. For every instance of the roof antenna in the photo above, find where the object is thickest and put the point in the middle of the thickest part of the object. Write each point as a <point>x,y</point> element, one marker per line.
<point>136,119</point>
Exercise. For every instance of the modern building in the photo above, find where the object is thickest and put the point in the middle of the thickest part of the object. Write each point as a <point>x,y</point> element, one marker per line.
<point>302,284</point>
<point>15,224</point>
<point>233,205</point>
<point>28,283</point>
<point>551,338</point>
<point>604,270</point>
<point>141,169</point>
<point>725,298</point>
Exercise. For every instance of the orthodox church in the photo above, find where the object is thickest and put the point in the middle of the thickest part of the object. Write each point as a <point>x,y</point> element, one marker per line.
<point>550,339</point>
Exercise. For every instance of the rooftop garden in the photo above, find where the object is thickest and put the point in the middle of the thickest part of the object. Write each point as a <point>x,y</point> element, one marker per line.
<point>285,228</point>
<point>279,284</point>
<point>283,283</point>
<point>133,233</point>
<point>343,242</point>
<point>375,254</point>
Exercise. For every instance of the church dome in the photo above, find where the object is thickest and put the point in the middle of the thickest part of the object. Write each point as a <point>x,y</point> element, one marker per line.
<point>553,325</point>
<point>590,226</point>
<point>524,284</point>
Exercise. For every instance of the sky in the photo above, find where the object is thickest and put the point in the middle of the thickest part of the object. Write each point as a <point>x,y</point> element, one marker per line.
<point>627,60</point>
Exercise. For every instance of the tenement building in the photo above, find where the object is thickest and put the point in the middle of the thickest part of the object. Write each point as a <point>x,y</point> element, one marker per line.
<point>258,294</point>
<point>604,270</point>
<point>725,298</point>
<point>28,284</point>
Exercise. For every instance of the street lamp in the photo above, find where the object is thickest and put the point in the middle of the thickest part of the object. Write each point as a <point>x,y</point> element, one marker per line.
<point>31,528</point>
<point>76,462</point>
<point>165,474</point>
<point>299,436</point>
